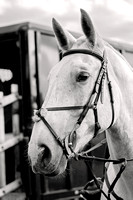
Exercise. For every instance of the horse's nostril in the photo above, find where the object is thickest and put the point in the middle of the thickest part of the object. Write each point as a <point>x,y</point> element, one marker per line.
<point>45,155</point>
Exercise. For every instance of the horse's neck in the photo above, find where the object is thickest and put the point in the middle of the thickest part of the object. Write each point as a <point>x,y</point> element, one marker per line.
<point>121,75</point>
<point>120,136</point>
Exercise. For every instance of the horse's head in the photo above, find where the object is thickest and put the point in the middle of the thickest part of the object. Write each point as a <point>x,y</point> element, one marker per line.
<point>71,87</point>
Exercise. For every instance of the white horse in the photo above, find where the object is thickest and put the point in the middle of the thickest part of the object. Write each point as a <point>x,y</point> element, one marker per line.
<point>71,86</point>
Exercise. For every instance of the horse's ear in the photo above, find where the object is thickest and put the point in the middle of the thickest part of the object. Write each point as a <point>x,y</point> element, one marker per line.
<point>64,38</point>
<point>88,27</point>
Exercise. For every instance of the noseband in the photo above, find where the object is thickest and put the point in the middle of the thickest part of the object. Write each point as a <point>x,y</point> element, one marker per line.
<point>67,144</point>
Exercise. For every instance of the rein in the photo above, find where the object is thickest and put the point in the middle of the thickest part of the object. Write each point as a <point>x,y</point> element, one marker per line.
<point>67,144</point>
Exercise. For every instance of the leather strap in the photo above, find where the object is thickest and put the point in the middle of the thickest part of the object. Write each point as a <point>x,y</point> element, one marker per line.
<point>83,51</point>
<point>109,185</point>
<point>65,108</point>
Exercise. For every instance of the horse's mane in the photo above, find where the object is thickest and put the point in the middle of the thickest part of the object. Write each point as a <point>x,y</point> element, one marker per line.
<point>118,53</point>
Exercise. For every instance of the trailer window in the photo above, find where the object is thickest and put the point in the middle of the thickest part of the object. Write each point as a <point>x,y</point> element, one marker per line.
<point>48,56</point>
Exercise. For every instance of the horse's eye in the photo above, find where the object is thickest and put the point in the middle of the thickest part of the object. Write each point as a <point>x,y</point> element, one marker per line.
<point>82,77</point>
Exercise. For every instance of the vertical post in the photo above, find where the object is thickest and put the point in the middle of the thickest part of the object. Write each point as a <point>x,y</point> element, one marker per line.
<point>15,127</point>
<point>15,114</point>
<point>2,139</point>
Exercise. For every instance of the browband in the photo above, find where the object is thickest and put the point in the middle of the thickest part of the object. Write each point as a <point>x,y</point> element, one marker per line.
<point>83,51</point>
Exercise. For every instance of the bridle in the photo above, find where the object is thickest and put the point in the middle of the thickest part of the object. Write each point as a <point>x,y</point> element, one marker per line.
<point>67,144</point>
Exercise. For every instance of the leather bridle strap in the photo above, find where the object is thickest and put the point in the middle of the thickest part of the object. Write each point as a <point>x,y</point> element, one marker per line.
<point>91,104</point>
<point>83,51</point>
<point>65,108</point>
<point>93,101</point>
<point>109,185</point>
<point>58,139</point>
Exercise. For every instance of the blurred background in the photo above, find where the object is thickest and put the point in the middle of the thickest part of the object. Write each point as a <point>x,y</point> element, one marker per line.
<point>112,18</point>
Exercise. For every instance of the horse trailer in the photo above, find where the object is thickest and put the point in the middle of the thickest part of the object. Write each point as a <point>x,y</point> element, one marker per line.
<point>27,53</point>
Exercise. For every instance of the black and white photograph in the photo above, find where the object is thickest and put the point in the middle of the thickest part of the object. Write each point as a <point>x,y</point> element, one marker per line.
<point>66,100</point>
